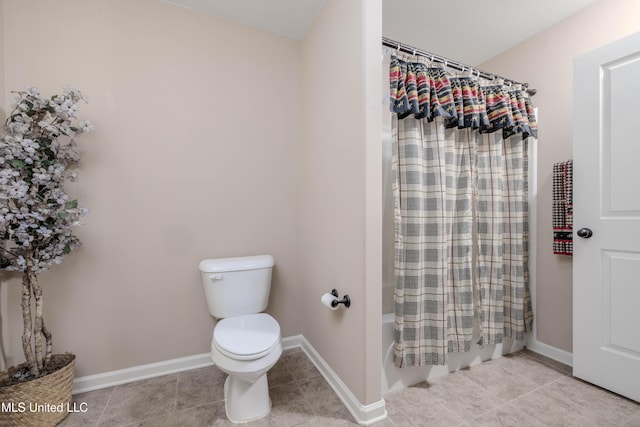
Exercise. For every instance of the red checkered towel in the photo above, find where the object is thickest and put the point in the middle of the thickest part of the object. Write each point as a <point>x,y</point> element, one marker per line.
<point>563,208</point>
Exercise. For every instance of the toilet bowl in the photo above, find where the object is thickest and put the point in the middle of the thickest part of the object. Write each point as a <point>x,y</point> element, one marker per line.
<point>246,343</point>
<point>246,347</point>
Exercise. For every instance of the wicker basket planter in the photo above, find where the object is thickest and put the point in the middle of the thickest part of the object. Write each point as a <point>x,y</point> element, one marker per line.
<point>41,402</point>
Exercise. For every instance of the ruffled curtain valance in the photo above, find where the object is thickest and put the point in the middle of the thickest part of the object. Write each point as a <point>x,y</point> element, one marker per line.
<point>427,92</point>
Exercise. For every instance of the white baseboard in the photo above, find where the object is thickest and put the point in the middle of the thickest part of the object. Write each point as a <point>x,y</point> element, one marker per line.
<point>291,342</point>
<point>549,351</point>
<point>141,372</point>
<point>364,414</point>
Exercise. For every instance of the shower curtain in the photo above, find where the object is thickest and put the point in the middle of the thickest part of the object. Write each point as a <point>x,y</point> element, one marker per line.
<point>460,210</point>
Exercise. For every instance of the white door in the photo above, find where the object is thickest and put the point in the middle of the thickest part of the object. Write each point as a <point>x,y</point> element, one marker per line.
<point>606,266</point>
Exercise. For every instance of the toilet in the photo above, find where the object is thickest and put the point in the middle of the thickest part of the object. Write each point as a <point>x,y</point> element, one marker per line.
<point>246,343</point>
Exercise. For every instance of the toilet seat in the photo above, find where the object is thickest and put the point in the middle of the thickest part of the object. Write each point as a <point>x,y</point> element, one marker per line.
<point>246,337</point>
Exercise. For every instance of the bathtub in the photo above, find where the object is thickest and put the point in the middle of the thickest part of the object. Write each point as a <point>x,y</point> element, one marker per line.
<point>394,378</point>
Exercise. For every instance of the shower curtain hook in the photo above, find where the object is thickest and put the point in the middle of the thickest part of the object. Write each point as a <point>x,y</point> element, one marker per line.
<point>398,48</point>
<point>414,53</point>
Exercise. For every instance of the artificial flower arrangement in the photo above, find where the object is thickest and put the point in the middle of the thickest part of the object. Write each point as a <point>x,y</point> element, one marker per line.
<point>38,155</point>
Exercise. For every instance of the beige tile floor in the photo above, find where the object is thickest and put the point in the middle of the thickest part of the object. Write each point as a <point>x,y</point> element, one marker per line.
<point>523,389</point>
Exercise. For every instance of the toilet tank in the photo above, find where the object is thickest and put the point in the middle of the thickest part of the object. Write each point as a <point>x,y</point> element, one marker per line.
<point>237,286</point>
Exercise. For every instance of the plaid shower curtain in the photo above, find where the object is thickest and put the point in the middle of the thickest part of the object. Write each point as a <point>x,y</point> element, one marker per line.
<point>460,211</point>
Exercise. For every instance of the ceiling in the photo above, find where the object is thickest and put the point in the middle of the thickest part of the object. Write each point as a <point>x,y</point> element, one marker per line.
<point>470,31</point>
<point>289,18</point>
<point>479,33</point>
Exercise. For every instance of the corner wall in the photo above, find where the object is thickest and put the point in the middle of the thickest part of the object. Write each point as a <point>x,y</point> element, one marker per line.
<point>212,140</point>
<point>4,327</point>
<point>545,61</point>
<point>195,155</point>
<point>340,235</point>
<point>3,99</point>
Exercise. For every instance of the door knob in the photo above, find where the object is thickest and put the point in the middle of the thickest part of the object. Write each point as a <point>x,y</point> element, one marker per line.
<point>585,233</point>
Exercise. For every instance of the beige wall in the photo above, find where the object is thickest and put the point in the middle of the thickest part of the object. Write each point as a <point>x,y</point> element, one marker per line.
<point>2,88</point>
<point>212,139</point>
<point>340,180</point>
<point>3,286</point>
<point>371,17</point>
<point>545,61</point>
<point>195,155</point>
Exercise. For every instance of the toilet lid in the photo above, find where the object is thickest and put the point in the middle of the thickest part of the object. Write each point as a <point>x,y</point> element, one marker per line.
<point>246,336</point>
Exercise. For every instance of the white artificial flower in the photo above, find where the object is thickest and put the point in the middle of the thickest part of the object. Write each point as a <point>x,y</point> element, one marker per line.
<point>44,231</point>
<point>33,91</point>
<point>47,126</point>
<point>18,189</point>
<point>86,126</point>
<point>37,187</point>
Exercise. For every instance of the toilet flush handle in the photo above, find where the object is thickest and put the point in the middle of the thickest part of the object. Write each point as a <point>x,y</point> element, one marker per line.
<point>216,277</point>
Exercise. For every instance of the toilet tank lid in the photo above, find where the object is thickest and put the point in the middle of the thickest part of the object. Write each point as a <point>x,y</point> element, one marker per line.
<point>236,264</point>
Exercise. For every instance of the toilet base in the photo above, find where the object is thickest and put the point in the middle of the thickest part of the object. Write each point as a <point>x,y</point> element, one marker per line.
<point>246,401</point>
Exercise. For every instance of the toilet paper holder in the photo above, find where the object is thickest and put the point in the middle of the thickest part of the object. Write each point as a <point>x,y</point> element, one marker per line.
<point>345,300</point>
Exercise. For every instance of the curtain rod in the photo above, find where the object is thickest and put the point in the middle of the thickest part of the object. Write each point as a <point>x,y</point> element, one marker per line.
<point>451,63</point>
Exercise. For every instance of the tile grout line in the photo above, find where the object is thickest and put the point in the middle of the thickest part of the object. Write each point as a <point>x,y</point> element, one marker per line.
<point>510,401</point>
<point>175,397</point>
<point>391,420</point>
<point>540,387</point>
<point>484,389</point>
<point>442,405</point>
<point>105,407</point>
<point>510,372</point>
<point>538,362</point>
